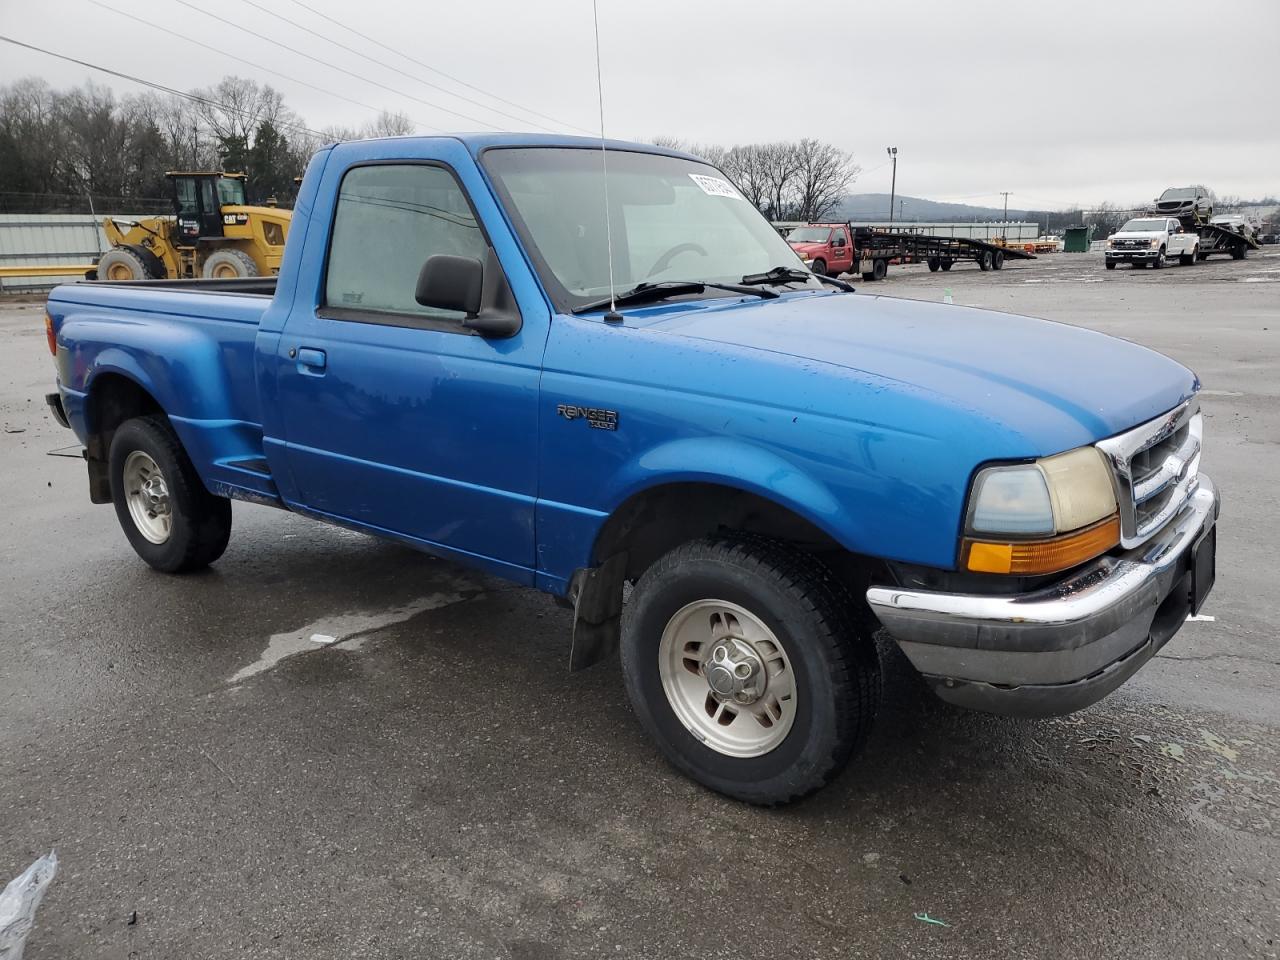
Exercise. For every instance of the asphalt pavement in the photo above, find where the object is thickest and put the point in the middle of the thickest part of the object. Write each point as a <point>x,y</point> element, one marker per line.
<point>221,780</point>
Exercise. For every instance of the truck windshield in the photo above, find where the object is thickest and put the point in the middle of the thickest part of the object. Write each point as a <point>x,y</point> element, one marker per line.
<point>230,191</point>
<point>809,235</point>
<point>1140,225</point>
<point>671,219</point>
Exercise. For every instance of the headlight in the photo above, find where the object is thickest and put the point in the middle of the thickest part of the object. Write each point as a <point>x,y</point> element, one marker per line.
<point>1041,517</point>
<point>1111,244</point>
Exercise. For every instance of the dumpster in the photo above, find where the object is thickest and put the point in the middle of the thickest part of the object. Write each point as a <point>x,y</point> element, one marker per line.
<point>1076,239</point>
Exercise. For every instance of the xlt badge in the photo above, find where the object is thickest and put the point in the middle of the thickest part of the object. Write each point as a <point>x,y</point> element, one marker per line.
<point>597,417</point>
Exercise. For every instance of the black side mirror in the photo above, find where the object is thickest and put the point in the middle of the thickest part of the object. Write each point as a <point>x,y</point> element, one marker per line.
<point>479,290</point>
<point>839,241</point>
<point>451,283</point>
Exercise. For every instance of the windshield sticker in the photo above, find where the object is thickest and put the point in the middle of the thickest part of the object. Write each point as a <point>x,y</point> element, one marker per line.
<point>715,186</point>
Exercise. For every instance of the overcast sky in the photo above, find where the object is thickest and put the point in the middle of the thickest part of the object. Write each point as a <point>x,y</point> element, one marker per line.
<point>1060,103</point>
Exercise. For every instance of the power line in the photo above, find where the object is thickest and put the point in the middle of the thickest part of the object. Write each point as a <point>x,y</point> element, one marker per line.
<point>250,63</point>
<point>403,73</point>
<point>331,66</point>
<point>427,66</point>
<point>194,98</point>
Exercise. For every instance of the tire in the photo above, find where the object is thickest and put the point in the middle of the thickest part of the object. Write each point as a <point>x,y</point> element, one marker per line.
<point>1158,262</point>
<point>945,265</point>
<point>122,264</point>
<point>1240,252</point>
<point>1201,256</point>
<point>819,267</point>
<point>227,264</point>
<point>1186,259</point>
<point>934,264</point>
<point>758,588</point>
<point>199,524</point>
<point>984,260</point>
<point>879,269</point>
<point>1111,264</point>
<point>997,260</point>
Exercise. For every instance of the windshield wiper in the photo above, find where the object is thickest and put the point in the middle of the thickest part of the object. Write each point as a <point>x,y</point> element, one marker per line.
<point>793,275</point>
<point>652,292</point>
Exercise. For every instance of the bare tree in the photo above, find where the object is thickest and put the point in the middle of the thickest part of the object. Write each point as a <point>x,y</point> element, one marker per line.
<point>824,176</point>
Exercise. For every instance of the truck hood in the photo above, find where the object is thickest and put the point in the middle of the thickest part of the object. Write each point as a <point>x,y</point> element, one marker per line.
<point>807,247</point>
<point>1050,385</point>
<point>1137,235</point>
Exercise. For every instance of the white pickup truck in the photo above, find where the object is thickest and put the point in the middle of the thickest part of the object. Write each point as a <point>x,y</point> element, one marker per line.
<point>1152,240</point>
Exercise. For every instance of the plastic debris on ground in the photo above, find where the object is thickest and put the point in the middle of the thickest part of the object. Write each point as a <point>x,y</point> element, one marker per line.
<point>925,918</point>
<point>18,905</point>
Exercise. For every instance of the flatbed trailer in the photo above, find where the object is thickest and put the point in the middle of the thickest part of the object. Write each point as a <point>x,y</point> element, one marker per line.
<point>1218,239</point>
<point>875,248</point>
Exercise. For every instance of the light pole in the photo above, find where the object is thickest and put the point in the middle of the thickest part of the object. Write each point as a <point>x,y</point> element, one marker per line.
<point>893,187</point>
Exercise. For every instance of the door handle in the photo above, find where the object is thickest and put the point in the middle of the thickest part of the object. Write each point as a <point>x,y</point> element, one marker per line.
<point>314,359</point>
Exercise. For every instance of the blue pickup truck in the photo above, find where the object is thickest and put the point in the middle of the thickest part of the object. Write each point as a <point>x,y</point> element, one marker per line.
<point>638,400</point>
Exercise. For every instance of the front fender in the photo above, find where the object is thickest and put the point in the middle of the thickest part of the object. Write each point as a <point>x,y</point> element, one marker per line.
<point>735,463</point>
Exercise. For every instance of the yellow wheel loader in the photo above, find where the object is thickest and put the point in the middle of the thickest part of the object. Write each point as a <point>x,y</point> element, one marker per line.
<point>213,233</point>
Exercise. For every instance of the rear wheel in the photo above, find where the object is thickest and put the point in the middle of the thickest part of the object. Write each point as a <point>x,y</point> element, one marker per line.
<point>997,260</point>
<point>1187,259</point>
<point>171,520</point>
<point>1239,252</point>
<point>984,260</point>
<point>880,269</point>
<point>743,661</point>
<point>228,265</point>
<point>934,264</point>
<point>819,266</point>
<point>122,263</point>
<point>945,265</point>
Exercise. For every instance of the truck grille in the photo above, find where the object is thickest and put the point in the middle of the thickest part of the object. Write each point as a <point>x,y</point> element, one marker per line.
<point>1123,244</point>
<point>1156,468</point>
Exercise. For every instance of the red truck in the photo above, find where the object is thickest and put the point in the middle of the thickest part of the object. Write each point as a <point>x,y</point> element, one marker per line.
<point>828,245</point>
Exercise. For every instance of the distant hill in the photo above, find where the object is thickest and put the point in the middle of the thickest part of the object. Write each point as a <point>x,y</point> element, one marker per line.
<point>875,206</point>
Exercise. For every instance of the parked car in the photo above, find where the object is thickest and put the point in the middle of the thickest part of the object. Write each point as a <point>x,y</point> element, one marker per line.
<point>1182,201</point>
<point>777,466</point>
<point>1151,240</point>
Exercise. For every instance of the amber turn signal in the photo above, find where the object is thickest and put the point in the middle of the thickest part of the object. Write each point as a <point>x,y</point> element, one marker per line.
<point>1033,557</point>
<point>49,335</point>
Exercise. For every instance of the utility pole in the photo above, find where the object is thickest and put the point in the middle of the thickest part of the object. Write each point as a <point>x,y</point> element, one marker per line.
<point>893,188</point>
<point>1005,194</point>
<point>901,204</point>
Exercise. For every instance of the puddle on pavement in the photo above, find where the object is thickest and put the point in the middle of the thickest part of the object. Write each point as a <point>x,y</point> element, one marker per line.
<point>350,630</point>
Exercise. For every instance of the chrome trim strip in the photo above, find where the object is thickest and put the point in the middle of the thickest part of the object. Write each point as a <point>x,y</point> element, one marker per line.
<point>1088,604</point>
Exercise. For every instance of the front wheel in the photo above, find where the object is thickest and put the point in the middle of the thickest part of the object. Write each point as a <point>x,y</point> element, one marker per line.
<point>743,661</point>
<point>819,266</point>
<point>170,519</point>
<point>1158,262</point>
<point>1111,264</point>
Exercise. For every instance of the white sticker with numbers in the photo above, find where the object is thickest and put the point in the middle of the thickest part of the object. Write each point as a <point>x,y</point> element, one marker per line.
<point>715,186</point>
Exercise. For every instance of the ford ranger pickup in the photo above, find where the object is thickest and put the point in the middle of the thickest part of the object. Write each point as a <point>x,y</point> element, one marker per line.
<point>463,353</point>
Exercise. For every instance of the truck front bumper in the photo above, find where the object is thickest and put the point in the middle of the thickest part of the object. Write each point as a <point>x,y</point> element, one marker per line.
<point>1127,255</point>
<point>1065,646</point>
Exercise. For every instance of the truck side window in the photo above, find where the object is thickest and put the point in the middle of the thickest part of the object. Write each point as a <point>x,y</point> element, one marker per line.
<point>389,219</point>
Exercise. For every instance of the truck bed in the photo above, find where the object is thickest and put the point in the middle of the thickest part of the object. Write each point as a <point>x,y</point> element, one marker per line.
<point>193,342</point>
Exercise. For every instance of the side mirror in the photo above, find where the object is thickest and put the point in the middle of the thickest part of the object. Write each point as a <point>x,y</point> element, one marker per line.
<point>451,283</point>
<point>839,241</point>
<point>478,290</point>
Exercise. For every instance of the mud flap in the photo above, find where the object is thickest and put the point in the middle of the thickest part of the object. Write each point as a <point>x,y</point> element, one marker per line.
<point>596,593</point>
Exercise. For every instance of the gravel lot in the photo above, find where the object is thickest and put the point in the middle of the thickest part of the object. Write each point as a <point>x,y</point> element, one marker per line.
<point>437,784</point>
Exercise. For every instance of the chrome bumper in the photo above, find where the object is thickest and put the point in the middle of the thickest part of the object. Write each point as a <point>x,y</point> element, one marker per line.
<point>1061,647</point>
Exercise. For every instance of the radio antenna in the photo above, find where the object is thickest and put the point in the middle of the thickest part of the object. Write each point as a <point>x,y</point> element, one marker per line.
<point>612,316</point>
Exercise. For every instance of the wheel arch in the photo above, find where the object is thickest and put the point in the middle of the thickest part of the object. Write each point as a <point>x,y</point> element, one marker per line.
<point>113,397</point>
<point>659,516</point>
